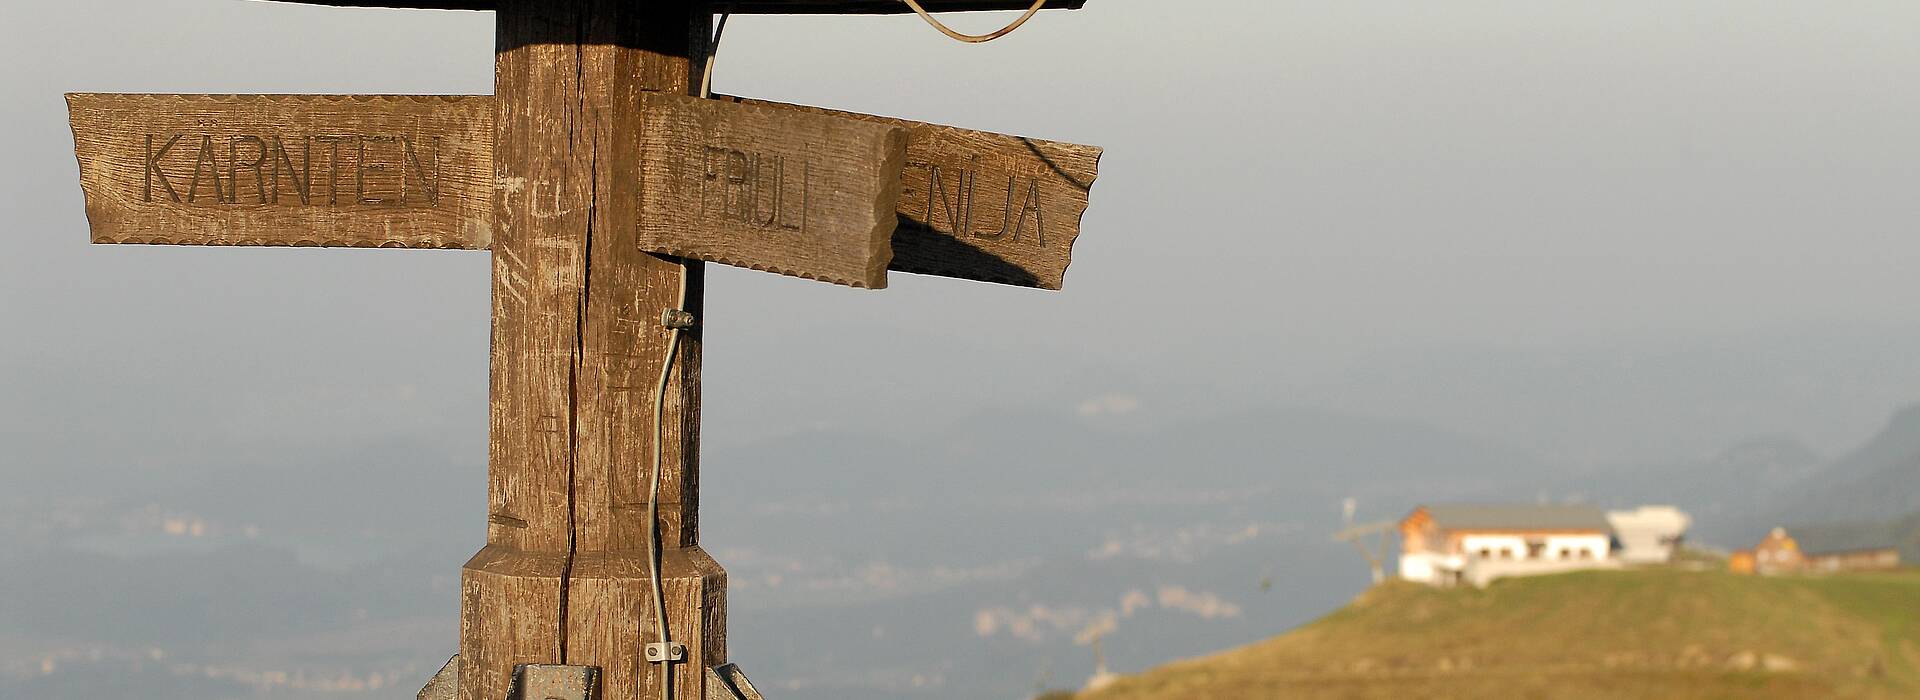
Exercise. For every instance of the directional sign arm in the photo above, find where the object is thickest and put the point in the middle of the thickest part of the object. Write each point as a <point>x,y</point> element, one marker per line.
<point>796,193</point>
<point>286,170</point>
<point>983,206</point>
<point>391,171</point>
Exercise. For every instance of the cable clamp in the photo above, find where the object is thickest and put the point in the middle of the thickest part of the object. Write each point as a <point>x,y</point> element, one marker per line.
<point>666,653</point>
<point>676,319</point>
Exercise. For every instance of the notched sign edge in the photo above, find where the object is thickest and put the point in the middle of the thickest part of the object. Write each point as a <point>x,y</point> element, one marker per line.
<point>89,113</point>
<point>949,252</point>
<point>889,161</point>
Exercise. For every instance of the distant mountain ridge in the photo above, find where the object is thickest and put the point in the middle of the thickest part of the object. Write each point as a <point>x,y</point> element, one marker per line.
<point>1724,493</point>
<point>1309,458</point>
<point>1740,493</point>
<point>1880,480</point>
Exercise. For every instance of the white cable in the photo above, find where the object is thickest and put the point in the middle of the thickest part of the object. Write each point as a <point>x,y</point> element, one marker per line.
<point>974,38</point>
<point>713,51</point>
<point>653,499</point>
<point>673,349</point>
<point>659,424</point>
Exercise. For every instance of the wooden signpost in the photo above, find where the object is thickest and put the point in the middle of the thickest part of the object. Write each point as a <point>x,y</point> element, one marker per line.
<point>597,182</point>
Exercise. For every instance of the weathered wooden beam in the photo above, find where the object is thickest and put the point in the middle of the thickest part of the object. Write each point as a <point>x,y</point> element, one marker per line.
<point>797,193</point>
<point>294,170</point>
<point>392,171</point>
<point>983,206</point>
<point>577,351</point>
<point>790,7</point>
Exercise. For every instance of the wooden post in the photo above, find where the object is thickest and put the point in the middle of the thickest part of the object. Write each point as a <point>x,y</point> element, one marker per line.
<point>565,191</point>
<point>577,347</point>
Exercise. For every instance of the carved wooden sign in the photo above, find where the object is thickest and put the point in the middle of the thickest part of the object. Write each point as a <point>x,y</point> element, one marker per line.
<point>731,181</point>
<point>588,158</point>
<point>983,206</point>
<point>797,193</point>
<point>302,170</point>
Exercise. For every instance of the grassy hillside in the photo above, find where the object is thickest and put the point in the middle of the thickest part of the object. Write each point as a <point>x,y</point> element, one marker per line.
<point>1633,634</point>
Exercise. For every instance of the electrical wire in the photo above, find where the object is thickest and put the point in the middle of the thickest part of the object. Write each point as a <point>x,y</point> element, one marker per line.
<point>974,38</point>
<point>653,498</point>
<point>675,331</point>
<point>713,51</point>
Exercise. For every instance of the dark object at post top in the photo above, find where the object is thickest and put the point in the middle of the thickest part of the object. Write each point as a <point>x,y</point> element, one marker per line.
<point>762,7</point>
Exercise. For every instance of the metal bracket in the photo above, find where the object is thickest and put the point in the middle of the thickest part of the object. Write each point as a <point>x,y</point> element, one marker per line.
<point>727,682</point>
<point>676,319</point>
<point>668,653</point>
<point>445,684</point>
<point>724,682</point>
<point>552,682</point>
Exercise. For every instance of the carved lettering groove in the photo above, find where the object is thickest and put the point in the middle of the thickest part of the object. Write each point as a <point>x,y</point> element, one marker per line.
<point>755,189</point>
<point>273,169</point>
<point>983,206</point>
<point>296,170</point>
<point>948,202</point>
<point>799,194</point>
<point>766,186</point>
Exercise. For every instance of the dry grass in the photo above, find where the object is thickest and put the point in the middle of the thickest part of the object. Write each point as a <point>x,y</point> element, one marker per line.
<point>1612,634</point>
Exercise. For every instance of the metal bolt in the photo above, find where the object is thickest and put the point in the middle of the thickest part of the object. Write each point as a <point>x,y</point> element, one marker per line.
<point>666,653</point>
<point>676,319</point>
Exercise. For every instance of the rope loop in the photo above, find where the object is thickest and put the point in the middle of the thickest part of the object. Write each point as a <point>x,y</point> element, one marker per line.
<point>974,38</point>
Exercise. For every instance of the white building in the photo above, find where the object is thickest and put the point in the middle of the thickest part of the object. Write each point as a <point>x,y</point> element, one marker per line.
<point>1447,545</point>
<point>1648,534</point>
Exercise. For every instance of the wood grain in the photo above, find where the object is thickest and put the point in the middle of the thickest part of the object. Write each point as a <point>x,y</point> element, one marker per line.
<point>1019,200</point>
<point>508,597</point>
<point>750,6</point>
<point>983,206</point>
<point>616,586</point>
<point>577,348</point>
<point>294,170</point>
<point>797,193</point>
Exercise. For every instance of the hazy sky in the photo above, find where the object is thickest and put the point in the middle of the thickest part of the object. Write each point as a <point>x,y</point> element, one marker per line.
<point>1315,202</point>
